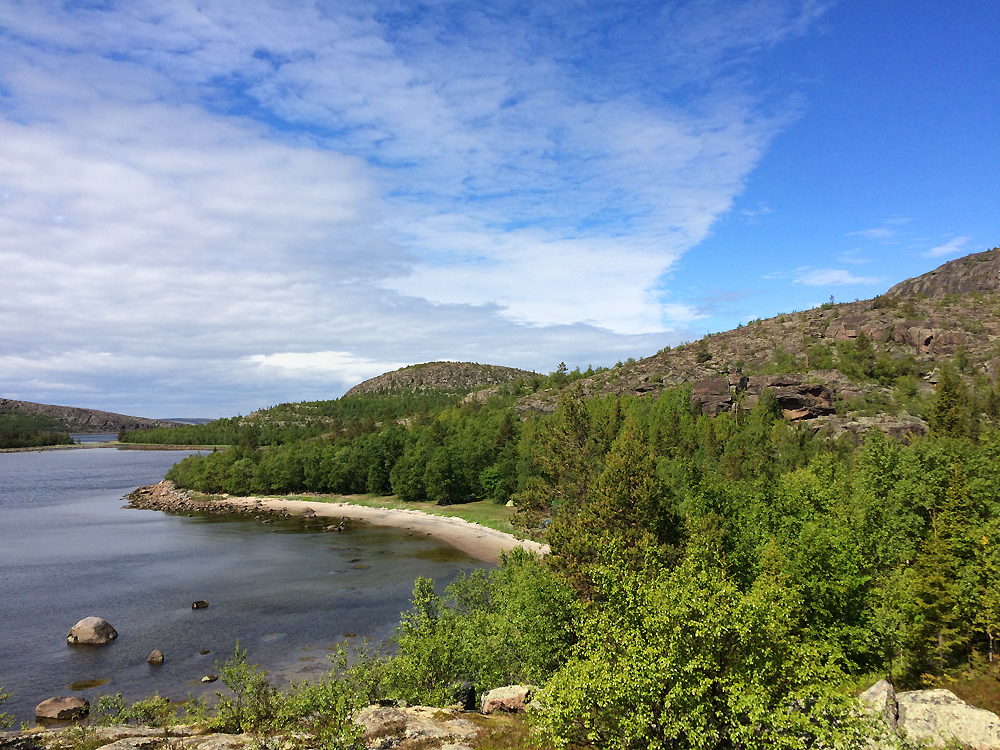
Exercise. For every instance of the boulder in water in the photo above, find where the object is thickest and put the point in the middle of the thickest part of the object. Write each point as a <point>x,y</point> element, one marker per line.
<point>95,631</point>
<point>155,657</point>
<point>62,709</point>
<point>200,604</point>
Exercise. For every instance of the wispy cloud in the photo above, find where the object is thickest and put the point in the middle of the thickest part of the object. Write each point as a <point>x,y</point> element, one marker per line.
<point>196,185</point>
<point>955,246</point>
<point>831,277</point>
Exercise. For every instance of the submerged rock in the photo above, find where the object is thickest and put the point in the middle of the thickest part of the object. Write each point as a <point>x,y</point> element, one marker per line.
<point>94,631</point>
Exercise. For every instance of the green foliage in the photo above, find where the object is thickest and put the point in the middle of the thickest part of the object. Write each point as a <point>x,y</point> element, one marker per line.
<point>6,719</point>
<point>511,625</point>
<point>253,702</point>
<point>25,431</point>
<point>155,711</point>
<point>684,659</point>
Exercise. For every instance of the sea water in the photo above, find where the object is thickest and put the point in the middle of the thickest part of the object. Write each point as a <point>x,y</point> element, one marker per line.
<point>290,595</point>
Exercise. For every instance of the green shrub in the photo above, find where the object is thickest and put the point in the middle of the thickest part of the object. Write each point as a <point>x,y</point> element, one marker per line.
<point>6,719</point>
<point>511,625</point>
<point>684,659</point>
<point>254,702</point>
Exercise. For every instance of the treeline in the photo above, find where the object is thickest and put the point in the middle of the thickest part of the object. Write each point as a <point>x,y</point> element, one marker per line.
<point>23,431</point>
<point>459,453</point>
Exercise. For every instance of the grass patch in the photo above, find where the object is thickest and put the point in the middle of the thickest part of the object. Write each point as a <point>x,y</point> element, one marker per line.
<point>484,512</point>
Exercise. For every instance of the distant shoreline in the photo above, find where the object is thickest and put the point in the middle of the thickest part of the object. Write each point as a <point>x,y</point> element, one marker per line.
<point>473,539</point>
<point>111,444</point>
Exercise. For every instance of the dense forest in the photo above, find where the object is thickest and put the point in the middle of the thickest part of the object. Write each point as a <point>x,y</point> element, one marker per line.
<point>705,573</point>
<point>24,431</point>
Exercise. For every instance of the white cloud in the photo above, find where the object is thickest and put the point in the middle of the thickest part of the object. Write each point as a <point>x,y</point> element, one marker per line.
<point>831,277</point>
<point>952,247</point>
<point>199,190</point>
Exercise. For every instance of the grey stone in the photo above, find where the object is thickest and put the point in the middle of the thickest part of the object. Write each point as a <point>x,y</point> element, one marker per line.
<point>937,716</point>
<point>62,709</point>
<point>509,699</point>
<point>94,631</point>
<point>882,698</point>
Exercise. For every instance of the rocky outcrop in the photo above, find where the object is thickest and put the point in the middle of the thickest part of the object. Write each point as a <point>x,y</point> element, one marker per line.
<point>123,737</point>
<point>418,726</point>
<point>979,272</point>
<point>165,497</point>
<point>448,377</point>
<point>73,419</point>
<point>62,709</point>
<point>91,631</point>
<point>509,699</point>
<point>936,718</point>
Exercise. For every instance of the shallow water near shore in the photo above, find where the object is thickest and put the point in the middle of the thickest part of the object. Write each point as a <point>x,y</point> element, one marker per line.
<point>68,550</point>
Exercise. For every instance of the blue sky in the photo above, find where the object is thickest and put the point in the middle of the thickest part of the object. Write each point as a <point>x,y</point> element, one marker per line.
<point>207,208</point>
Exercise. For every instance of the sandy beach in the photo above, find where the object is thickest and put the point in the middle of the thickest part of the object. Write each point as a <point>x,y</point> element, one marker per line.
<point>473,539</point>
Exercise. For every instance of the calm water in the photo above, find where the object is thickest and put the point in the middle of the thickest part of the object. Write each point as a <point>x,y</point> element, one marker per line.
<point>68,550</point>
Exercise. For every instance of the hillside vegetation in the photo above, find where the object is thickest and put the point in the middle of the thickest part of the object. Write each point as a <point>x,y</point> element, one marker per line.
<point>733,546</point>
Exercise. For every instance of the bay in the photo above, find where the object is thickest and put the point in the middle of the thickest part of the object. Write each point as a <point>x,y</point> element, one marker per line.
<point>68,550</point>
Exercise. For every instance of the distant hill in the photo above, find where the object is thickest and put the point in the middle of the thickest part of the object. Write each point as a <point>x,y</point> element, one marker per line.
<point>810,361</point>
<point>455,378</point>
<point>73,419</point>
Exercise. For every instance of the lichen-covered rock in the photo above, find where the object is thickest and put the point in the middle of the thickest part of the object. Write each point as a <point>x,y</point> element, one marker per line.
<point>388,726</point>
<point>882,698</point>
<point>510,699</point>
<point>94,631</point>
<point>938,716</point>
<point>62,709</point>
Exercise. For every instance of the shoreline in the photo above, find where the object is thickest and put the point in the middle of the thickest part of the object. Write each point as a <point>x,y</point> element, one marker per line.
<point>110,444</point>
<point>477,541</point>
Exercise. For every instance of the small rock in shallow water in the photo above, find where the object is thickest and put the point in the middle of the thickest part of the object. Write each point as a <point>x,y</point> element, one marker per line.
<point>155,657</point>
<point>200,604</point>
<point>205,652</point>
<point>62,709</point>
<point>210,678</point>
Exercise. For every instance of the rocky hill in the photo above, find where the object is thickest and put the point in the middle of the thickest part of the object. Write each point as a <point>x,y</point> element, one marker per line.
<point>845,366</point>
<point>73,419</point>
<point>455,378</point>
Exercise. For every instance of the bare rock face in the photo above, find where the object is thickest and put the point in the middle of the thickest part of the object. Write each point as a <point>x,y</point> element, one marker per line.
<point>979,272</point>
<point>937,716</point>
<point>62,709</point>
<point>94,631</point>
<point>420,726</point>
<point>510,699</point>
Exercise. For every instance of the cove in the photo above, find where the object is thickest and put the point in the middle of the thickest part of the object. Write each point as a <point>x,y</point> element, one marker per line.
<point>68,550</point>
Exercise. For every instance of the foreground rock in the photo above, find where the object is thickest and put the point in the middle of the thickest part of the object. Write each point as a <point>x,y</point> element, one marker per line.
<point>125,738</point>
<point>420,726</point>
<point>62,709</point>
<point>934,717</point>
<point>94,631</point>
<point>509,699</point>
